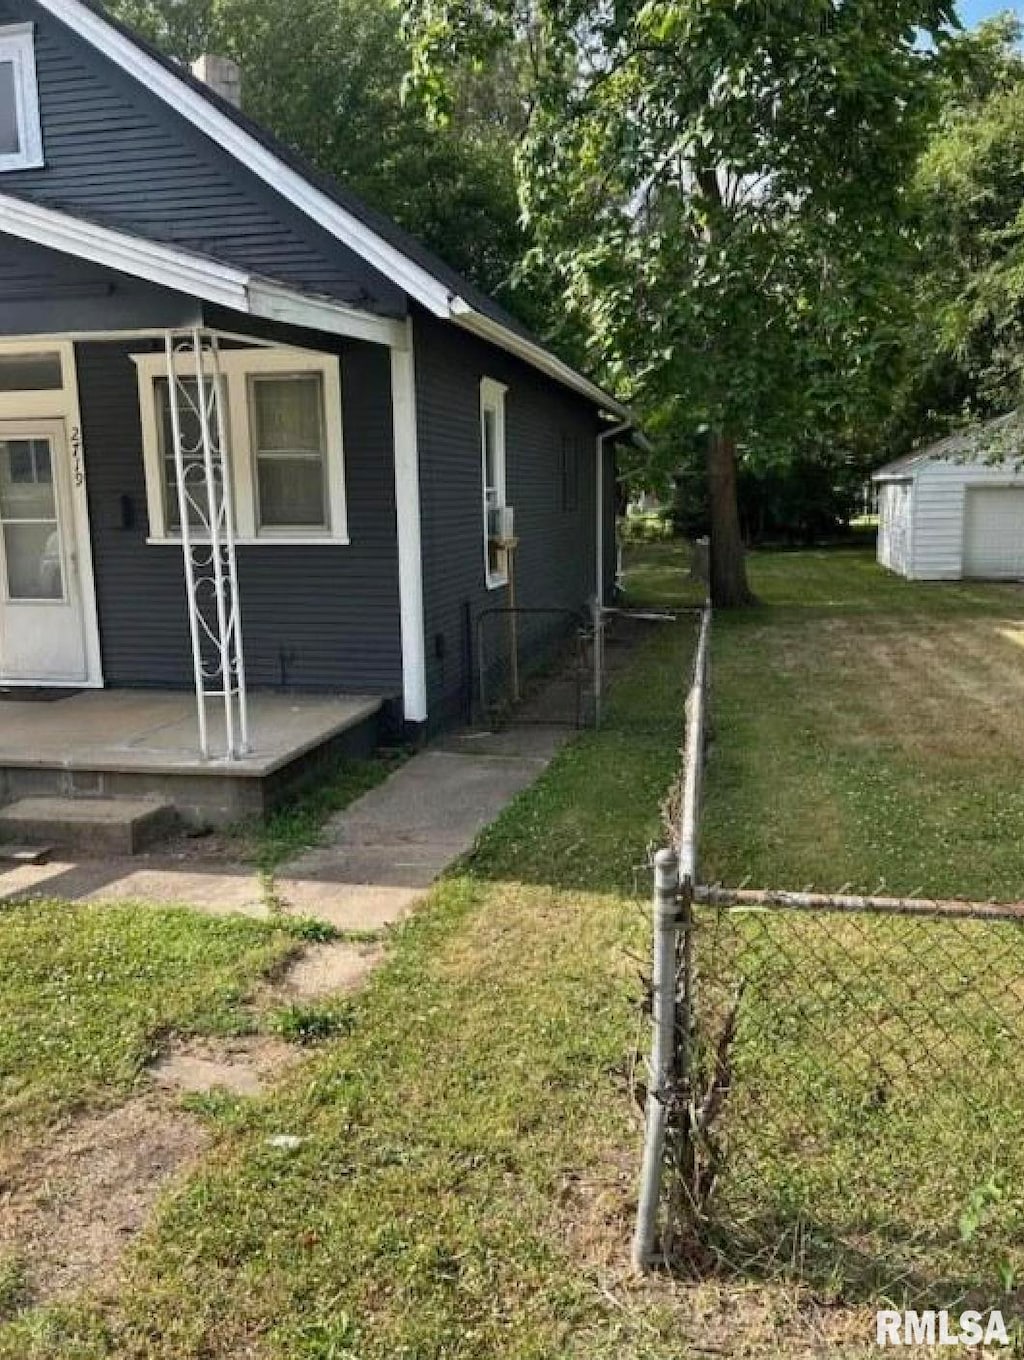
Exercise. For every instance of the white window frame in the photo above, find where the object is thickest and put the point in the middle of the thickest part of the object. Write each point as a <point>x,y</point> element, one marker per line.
<point>17,45</point>
<point>492,399</point>
<point>237,367</point>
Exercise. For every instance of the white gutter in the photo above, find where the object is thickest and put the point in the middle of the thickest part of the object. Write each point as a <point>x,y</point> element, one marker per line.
<point>535,355</point>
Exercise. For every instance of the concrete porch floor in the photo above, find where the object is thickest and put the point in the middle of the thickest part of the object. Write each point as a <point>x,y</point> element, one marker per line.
<point>155,732</point>
<point>144,745</point>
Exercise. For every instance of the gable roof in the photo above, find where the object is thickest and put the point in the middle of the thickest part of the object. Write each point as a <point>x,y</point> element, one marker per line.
<point>963,444</point>
<point>188,271</point>
<point>424,277</point>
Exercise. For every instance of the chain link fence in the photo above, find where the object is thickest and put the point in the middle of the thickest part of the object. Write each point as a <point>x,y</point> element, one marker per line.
<point>855,1099</point>
<point>835,1093</point>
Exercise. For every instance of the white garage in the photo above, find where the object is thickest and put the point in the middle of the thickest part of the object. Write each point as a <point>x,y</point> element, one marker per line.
<point>956,508</point>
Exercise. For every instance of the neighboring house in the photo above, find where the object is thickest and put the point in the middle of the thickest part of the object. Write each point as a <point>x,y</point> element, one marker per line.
<point>956,508</point>
<point>198,327</point>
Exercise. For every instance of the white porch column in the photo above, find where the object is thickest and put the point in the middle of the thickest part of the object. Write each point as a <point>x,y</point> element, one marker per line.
<point>206,507</point>
<point>410,540</point>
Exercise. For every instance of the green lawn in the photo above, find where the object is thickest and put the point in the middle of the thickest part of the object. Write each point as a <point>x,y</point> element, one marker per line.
<point>89,994</point>
<point>869,731</point>
<point>469,1148</point>
<point>465,1184</point>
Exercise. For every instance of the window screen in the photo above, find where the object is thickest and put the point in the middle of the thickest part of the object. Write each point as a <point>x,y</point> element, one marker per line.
<point>289,448</point>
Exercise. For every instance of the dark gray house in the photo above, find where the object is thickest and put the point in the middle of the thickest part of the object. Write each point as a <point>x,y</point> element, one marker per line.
<point>255,443</point>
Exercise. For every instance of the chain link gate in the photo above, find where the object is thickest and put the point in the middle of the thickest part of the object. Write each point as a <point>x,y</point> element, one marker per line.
<point>539,666</point>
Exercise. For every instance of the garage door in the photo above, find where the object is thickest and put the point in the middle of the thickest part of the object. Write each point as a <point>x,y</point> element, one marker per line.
<point>994,532</point>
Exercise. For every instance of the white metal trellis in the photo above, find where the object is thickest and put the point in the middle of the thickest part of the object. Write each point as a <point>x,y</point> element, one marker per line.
<point>202,465</point>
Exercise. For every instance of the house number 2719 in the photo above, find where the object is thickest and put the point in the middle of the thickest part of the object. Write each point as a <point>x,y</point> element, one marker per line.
<point>76,456</point>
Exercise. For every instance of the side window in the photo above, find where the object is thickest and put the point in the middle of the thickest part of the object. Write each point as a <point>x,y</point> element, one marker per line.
<point>497,517</point>
<point>21,134</point>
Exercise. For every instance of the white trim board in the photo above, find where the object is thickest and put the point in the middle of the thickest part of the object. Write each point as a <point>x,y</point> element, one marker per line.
<point>62,404</point>
<point>233,138</point>
<point>410,542</point>
<point>536,356</point>
<point>419,283</point>
<point>186,272</point>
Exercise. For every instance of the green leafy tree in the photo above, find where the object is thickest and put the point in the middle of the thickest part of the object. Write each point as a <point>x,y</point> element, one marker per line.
<point>720,187</point>
<point>965,343</point>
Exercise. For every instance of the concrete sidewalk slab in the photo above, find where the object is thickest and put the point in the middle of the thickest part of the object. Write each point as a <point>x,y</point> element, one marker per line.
<point>235,889</point>
<point>377,857</point>
<point>409,829</point>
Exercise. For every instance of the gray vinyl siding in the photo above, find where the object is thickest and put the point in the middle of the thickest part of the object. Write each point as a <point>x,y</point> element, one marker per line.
<point>555,561</point>
<point>115,152</point>
<point>319,618</point>
<point>44,292</point>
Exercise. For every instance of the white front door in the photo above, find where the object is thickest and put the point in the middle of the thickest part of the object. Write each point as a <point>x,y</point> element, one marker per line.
<point>42,632</point>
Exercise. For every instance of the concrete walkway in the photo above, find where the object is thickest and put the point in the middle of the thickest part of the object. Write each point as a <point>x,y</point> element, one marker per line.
<point>376,859</point>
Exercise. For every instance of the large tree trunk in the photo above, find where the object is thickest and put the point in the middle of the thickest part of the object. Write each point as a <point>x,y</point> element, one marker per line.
<point>728,558</point>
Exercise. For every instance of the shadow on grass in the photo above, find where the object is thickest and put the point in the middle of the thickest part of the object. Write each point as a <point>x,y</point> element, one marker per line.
<point>841,1266</point>
<point>590,822</point>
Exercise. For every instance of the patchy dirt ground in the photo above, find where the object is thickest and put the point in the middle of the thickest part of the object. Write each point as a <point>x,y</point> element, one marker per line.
<point>69,1208</point>
<point>242,1067</point>
<point>330,968</point>
<point>73,1201</point>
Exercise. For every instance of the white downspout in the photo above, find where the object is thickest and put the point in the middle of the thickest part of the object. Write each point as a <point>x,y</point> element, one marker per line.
<point>613,433</point>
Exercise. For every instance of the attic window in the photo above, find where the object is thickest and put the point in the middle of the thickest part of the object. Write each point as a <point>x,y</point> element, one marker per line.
<point>21,136</point>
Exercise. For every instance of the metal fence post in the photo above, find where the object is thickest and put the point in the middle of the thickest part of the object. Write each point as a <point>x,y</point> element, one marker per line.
<point>597,610</point>
<point>663,1002</point>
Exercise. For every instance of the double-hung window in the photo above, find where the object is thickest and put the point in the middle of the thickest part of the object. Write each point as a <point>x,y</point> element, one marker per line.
<point>282,409</point>
<point>21,134</point>
<point>287,420</point>
<point>492,443</point>
<point>193,468</point>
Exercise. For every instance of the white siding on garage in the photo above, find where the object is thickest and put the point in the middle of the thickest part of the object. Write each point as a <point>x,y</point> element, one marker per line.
<point>894,510</point>
<point>941,489</point>
<point>994,532</point>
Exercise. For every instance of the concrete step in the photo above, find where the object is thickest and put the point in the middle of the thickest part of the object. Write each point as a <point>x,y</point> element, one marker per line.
<point>13,853</point>
<point>93,826</point>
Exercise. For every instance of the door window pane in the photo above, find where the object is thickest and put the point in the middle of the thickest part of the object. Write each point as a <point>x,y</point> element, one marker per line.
<point>10,139</point>
<point>289,445</point>
<point>28,520</point>
<point>26,480</point>
<point>33,561</point>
